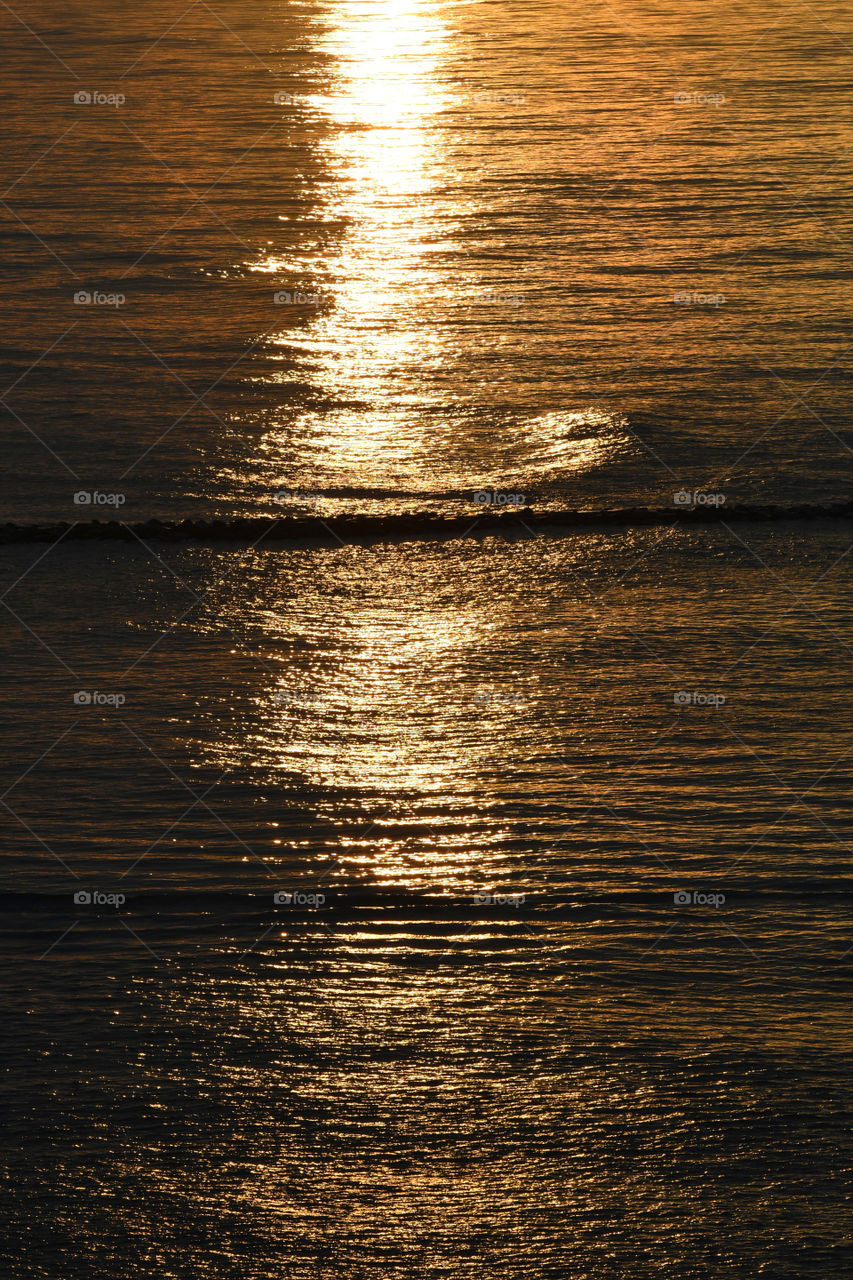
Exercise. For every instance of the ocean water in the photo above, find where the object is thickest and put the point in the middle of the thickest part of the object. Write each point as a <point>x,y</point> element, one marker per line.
<point>422,906</point>
<point>524,261</point>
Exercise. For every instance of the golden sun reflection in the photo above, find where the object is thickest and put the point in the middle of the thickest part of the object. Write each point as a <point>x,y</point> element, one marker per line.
<point>385,703</point>
<point>388,716</point>
<point>382,154</point>
<point>388,720</point>
<point>563,441</point>
<point>386,354</point>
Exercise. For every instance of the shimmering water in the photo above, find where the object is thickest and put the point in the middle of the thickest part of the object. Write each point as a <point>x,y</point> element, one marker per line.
<point>525,261</point>
<point>560,982</point>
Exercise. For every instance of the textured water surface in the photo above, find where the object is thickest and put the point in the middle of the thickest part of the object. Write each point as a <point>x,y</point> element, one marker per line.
<point>441,907</point>
<point>577,253</point>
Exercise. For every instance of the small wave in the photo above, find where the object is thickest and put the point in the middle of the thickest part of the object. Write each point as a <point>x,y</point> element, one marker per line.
<point>289,896</point>
<point>424,526</point>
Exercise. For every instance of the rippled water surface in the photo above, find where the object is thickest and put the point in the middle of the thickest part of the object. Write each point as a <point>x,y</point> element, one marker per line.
<point>577,253</point>
<point>419,907</point>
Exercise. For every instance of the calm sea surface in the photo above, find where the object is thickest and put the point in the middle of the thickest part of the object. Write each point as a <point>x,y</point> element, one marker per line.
<point>440,909</point>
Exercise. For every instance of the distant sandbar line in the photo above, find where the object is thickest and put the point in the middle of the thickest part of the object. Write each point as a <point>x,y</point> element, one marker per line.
<point>353,529</point>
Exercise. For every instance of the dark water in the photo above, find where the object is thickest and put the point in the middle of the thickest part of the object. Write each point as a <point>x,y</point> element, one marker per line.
<point>437,908</point>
